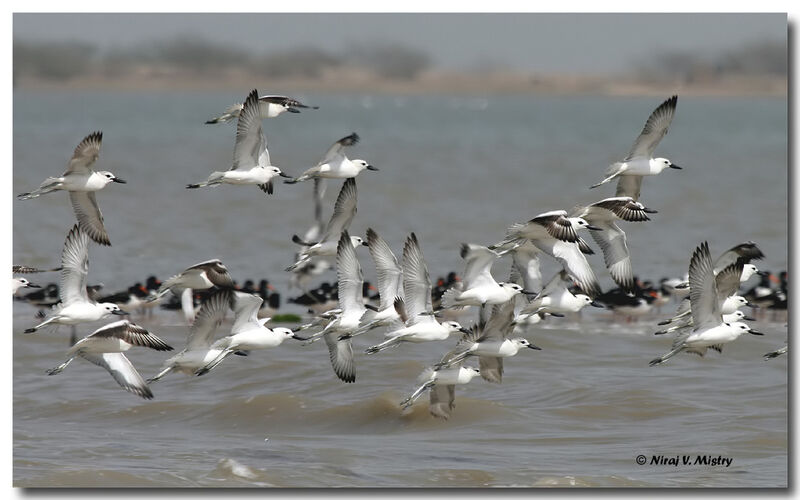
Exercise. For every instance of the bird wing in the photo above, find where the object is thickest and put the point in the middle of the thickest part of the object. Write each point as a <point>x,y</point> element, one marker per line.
<point>747,250</point>
<point>132,334</point>
<point>122,370</point>
<point>341,354</point>
<point>613,243</point>
<point>728,279</point>
<point>442,400</point>
<point>491,368</point>
<point>479,263</point>
<point>343,210</point>
<point>245,311</point>
<point>74,267</point>
<point>654,130</point>
<point>216,272</point>
<point>574,262</point>
<point>349,276</point>
<point>629,185</point>
<point>557,225</point>
<point>335,153</point>
<point>416,283</point>
<point>209,317</point>
<point>525,259</point>
<point>501,321</point>
<point>706,311</point>
<point>85,154</point>
<point>89,216</point>
<point>250,143</point>
<point>390,274</point>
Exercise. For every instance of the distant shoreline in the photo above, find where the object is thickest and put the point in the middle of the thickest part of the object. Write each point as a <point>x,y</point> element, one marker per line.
<point>431,82</point>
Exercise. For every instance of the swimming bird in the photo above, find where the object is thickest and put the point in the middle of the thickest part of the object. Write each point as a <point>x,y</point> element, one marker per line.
<point>105,347</point>
<point>198,352</point>
<point>441,382</point>
<point>343,212</point>
<point>17,283</point>
<point>556,234</point>
<point>251,161</point>
<point>269,106</point>
<point>556,298</point>
<point>335,164</point>
<point>248,331</point>
<point>612,239</point>
<point>416,310</point>
<point>708,330</point>
<point>478,287</point>
<point>639,161</point>
<point>81,182</point>
<point>491,343</point>
<point>76,306</point>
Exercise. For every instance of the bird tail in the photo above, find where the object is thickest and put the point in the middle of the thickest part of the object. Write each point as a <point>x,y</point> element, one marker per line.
<point>383,345</point>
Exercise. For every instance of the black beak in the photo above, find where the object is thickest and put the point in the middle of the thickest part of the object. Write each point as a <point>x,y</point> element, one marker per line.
<point>750,304</point>
<point>285,175</point>
<point>597,304</point>
<point>33,285</point>
<point>120,312</point>
<point>649,210</point>
<point>762,273</point>
<point>117,179</point>
<point>675,167</point>
<point>528,292</point>
<point>534,347</point>
<point>753,332</point>
<point>292,110</point>
<point>748,318</point>
<point>463,330</point>
<point>594,228</point>
<point>370,167</point>
<point>298,337</point>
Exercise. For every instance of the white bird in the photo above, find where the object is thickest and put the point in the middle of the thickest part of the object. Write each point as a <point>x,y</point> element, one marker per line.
<point>478,287</point>
<point>200,276</point>
<point>416,310</point>
<point>105,346</point>
<point>490,343</point>
<point>557,235</point>
<point>17,283</point>
<point>639,161</point>
<point>343,212</point>
<point>251,162</point>
<point>708,330</point>
<point>269,106</point>
<point>555,298</point>
<point>726,318</point>
<point>198,351</point>
<point>81,182</point>
<point>441,383</point>
<point>76,307</point>
<point>390,285</point>
<point>744,252</point>
<point>338,332</point>
<point>335,164</point>
<point>728,281</point>
<point>611,239</point>
<point>248,331</point>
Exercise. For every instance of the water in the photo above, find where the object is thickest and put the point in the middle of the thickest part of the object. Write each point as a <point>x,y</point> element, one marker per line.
<point>453,169</point>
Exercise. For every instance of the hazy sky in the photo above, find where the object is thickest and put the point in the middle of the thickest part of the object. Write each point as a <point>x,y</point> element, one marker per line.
<point>573,43</point>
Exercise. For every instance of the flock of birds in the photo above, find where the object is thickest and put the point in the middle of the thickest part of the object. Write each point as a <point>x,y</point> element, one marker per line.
<point>409,308</point>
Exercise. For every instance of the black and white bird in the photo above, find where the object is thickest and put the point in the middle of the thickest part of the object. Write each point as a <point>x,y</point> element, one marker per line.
<point>335,164</point>
<point>639,161</point>
<point>81,182</point>
<point>252,165</point>
<point>269,106</point>
<point>105,347</point>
